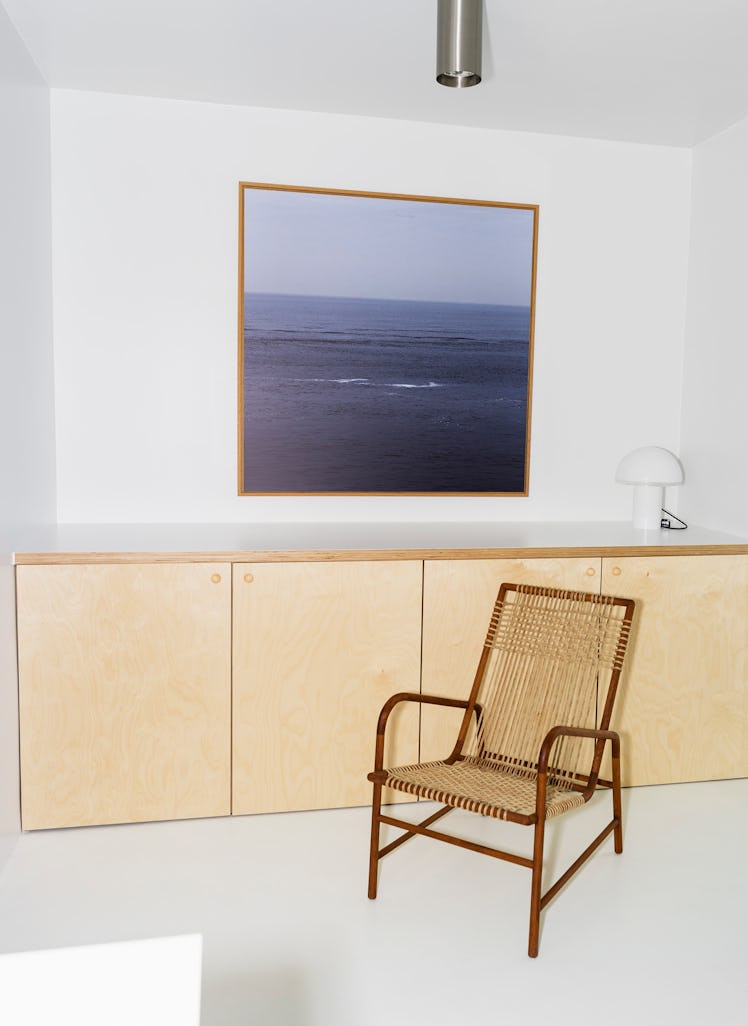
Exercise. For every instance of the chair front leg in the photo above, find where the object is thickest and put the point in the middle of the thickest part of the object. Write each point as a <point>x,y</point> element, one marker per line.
<point>376,806</point>
<point>537,863</point>
<point>535,890</point>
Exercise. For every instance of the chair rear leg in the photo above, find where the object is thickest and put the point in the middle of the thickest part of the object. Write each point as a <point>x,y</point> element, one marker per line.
<point>618,829</point>
<point>376,806</point>
<point>535,890</point>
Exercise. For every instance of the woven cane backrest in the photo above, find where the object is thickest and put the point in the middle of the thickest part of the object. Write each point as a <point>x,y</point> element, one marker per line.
<point>550,658</point>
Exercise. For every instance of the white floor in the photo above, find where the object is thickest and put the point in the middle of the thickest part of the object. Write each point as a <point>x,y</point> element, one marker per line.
<point>657,935</point>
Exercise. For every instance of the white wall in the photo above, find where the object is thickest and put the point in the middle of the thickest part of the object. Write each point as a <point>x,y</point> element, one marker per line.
<point>145,271</point>
<point>715,403</point>
<point>27,459</point>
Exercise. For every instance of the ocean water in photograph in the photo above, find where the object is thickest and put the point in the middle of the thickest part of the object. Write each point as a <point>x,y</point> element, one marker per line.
<point>374,395</point>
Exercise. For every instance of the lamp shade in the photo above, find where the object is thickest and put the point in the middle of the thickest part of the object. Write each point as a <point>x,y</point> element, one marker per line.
<point>650,465</point>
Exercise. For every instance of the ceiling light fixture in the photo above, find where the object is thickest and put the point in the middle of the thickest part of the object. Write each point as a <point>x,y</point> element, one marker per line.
<point>459,42</point>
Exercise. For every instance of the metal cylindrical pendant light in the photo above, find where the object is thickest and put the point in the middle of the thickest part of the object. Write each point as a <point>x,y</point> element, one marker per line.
<point>459,42</point>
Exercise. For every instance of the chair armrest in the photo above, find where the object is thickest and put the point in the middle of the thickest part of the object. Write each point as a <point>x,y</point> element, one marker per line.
<point>556,732</point>
<point>412,696</point>
<point>545,752</point>
<point>409,696</point>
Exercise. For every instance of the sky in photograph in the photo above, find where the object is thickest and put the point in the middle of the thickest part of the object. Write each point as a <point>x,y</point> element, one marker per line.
<point>328,245</point>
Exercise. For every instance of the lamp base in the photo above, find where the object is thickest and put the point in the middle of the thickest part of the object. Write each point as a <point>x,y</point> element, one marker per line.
<point>648,499</point>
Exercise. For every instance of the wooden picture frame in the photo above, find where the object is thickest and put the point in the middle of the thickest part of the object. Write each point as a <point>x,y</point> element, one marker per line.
<point>379,352</point>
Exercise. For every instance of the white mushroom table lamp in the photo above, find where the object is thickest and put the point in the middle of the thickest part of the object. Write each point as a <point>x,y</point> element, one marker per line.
<point>649,469</point>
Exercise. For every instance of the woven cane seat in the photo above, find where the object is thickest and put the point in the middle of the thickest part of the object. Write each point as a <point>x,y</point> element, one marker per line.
<point>481,787</point>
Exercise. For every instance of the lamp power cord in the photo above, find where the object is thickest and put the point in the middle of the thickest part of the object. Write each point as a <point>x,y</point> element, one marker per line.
<point>666,523</point>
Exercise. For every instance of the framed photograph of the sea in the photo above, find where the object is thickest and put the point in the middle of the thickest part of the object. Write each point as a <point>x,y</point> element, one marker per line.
<point>385,343</point>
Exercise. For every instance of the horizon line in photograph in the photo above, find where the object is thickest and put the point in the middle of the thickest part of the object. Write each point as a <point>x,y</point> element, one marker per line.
<point>384,299</point>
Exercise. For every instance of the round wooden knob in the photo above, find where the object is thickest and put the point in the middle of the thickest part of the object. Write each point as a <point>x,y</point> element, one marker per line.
<point>590,571</point>
<point>215,578</point>
<point>616,571</point>
<point>249,578</point>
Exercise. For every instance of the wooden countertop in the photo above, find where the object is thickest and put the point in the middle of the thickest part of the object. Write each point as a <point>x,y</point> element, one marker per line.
<point>287,542</point>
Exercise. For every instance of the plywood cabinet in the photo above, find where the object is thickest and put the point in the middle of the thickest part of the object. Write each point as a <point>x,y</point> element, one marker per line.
<point>128,671</point>
<point>124,695</point>
<point>318,648</point>
<point>458,596</point>
<point>682,709</point>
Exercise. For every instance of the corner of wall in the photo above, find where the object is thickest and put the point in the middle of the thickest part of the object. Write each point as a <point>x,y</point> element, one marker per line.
<point>27,431</point>
<point>714,415</point>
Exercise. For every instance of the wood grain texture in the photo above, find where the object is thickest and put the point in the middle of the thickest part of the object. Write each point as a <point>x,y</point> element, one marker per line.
<point>682,709</point>
<point>318,648</point>
<point>511,552</point>
<point>125,693</point>
<point>458,597</point>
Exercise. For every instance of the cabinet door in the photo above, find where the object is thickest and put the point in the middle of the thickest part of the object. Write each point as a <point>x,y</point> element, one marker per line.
<point>458,596</point>
<point>683,704</point>
<point>125,692</point>
<point>318,648</point>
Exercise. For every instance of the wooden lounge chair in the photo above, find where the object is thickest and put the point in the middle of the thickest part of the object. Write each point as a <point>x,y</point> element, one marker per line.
<point>528,748</point>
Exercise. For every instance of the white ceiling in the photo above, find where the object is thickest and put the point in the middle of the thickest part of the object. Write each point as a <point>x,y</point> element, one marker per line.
<point>654,71</point>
